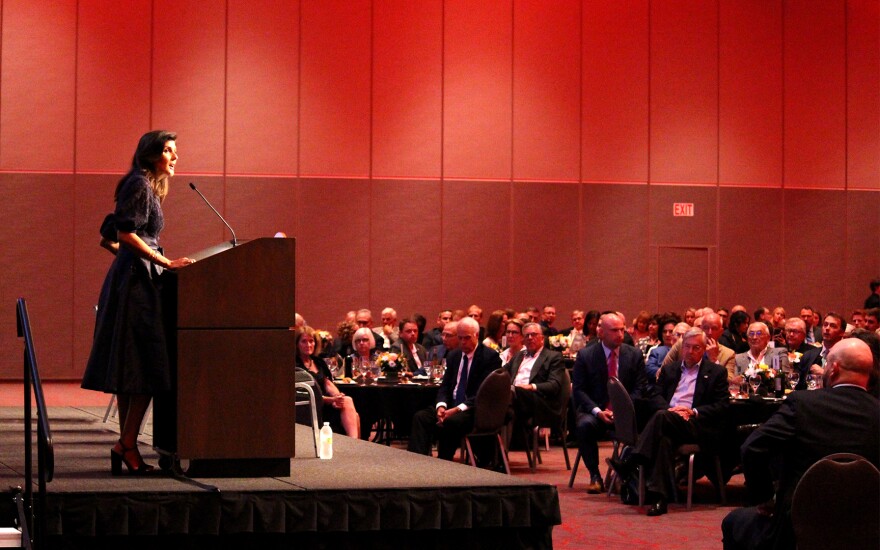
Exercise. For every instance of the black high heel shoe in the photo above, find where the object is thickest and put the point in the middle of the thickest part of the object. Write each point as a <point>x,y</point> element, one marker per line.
<point>134,464</point>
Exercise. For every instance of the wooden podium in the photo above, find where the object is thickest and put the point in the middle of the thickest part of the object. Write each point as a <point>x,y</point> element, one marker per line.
<point>228,318</point>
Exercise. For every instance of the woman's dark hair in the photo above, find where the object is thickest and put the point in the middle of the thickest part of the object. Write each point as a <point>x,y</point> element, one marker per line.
<point>149,151</point>
<point>494,328</point>
<point>736,319</point>
<point>592,315</point>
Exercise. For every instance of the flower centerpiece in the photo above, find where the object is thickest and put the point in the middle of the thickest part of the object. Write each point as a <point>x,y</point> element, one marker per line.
<point>559,342</point>
<point>766,375</point>
<point>392,364</point>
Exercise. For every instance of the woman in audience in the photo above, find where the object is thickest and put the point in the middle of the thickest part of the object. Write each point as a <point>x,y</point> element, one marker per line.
<point>338,408</point>
<point>657,354</point>
<point>514,336</point>
<point>639,327</point>
<point>495,330</point>
<point>364,344</point>
<point>735,335</point>
<point>690,314</point>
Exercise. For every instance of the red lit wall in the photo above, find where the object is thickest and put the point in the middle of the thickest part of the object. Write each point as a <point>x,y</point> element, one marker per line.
<point>446,152</point>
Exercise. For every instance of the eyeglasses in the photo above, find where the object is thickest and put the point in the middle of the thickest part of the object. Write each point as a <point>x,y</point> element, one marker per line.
<point>755,334</point>
<point>794,331</point>
<point>532,334</point>
<point>513,332</point>
<point>361,340</point>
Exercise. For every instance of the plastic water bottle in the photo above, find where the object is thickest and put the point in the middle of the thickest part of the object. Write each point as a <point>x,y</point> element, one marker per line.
<point>325,449</point>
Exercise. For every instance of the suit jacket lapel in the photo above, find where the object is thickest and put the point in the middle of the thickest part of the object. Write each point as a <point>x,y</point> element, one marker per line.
<point>536,366</point>
<point>700,386</point>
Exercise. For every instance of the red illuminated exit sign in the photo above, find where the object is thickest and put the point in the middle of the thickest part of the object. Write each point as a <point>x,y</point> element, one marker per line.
<point>683,209</point>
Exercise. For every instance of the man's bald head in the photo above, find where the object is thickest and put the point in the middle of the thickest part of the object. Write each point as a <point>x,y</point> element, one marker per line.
<point>711,325</point>
<point>849,362</point>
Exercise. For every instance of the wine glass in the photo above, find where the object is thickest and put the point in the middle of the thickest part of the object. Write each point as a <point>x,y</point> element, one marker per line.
<point>374,369</point>
<point>812,381</point>
<point>755,383</point>
<point>793,378</point>
<point>733,387</point>
<point>439,370</point>
<point>333,364</point>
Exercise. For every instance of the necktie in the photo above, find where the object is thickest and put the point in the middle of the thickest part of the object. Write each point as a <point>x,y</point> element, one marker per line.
<point>612,364</point>
<point>461,390</point>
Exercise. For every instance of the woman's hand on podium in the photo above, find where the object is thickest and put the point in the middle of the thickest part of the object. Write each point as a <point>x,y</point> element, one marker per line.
<point>180,262</point>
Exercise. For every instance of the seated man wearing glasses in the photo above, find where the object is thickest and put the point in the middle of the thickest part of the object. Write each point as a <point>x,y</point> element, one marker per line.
<point>801,355</point>
<point>537,375</point>
<point>758,337</point>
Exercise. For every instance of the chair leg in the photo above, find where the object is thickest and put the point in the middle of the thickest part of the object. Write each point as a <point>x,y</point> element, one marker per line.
<point>690,481</point>
<point>565,453</point>
<point>110,407</point>
<point>719,476</point>
<point>529,443</point>
<point>470,452</point>
<point>503,454</point>
<point>535,445</point>
<point>574,469</point>
<point>615,454</point>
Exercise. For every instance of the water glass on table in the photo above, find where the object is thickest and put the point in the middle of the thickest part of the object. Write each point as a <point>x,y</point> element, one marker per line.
<point>793,378</point>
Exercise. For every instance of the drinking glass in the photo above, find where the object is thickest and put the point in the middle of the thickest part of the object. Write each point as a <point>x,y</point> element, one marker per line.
<point>333,365</point>
<point>755,383</point>
<point>812,381</point>
<point>375,370</point>
<point>793,378</point>
<point>428,367</point>
<point>439,370</point>
<point>734,388</point>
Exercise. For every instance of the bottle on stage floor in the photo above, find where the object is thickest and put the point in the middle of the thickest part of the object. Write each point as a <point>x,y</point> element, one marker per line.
<point>325,450</point>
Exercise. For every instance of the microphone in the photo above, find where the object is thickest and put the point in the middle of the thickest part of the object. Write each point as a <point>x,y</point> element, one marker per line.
<point>234,240</point>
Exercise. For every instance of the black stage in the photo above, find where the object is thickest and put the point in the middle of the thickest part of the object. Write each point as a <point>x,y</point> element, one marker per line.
<point>367,496</point>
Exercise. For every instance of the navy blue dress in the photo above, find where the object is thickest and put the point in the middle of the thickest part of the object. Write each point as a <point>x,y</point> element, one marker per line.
<point>129,352</point>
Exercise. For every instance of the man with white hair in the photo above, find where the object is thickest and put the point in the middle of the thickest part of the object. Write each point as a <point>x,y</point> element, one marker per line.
<point>692,399</point>
<point>715,352</point>
<point>453,415</point>
<point>758,338</point>
<point>390,329</point>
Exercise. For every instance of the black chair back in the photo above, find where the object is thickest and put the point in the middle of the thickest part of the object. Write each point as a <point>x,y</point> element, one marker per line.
<point>625,429</point>
<point>836,504</point>
<point>492,402</point>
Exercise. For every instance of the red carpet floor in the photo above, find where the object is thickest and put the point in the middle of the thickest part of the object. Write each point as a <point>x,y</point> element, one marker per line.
<point>588,521</point>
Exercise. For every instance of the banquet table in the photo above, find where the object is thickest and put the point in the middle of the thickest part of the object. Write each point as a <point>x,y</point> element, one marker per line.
<point>390,403</point>
<point>743,416</point>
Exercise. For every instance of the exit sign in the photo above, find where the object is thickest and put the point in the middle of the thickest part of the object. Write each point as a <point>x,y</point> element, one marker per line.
<point>683,209</point>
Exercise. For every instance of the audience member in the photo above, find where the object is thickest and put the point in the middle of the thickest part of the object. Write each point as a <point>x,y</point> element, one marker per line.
<point>833,328</point>
<point>593,367</point>
<point>763,315</point>
<point>777,327</point>
<point>841,418</point>
<point>408,346</point>
<point>672,333</point>
<point>693,395</point>
<point>450,341</point>
<point>735,335</point>
<point>336,405</point>
<point>801,355</point>
<point>873,341</point>
<point>537,375</point>
<point>364,319</point>
<point>872,319</point>
<point>814,333</point>
<point>548,317</point>
<point>364,343</point>
<point>724,313</point>
<point>390,329</point>
<point>453,415</point>
<point>715,352</point>
<point>873,300</point>
<point>591,324</point>
<point>514,336</point>
<point>857,320</point>
<point>495,330</point>
<point>690,314</point>
<point>759,351</point>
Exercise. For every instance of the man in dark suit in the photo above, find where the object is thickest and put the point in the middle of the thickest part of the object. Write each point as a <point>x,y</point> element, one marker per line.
<point>694,396</point>
<point>433,337</point>
<point>453,415</point>
<point>548,317</point>
<point>813,330</point>
<point>537,375</point>
<point>406,345</point>
<point>841,418</point>
<point>592,368</point>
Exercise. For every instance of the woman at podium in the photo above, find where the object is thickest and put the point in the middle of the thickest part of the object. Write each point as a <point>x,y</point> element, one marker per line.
<point>129,356</point>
